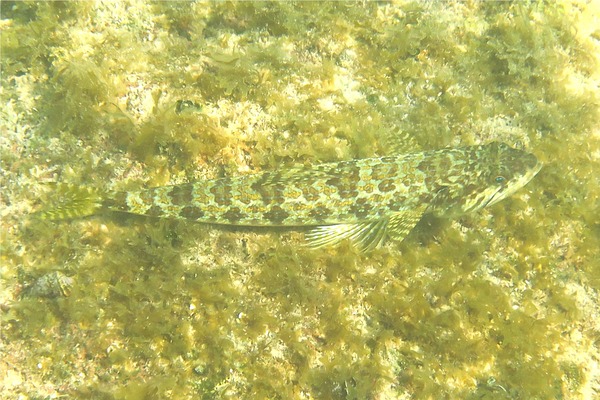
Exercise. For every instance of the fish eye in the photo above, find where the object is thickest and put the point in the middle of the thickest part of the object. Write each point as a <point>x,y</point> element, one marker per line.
<point>500,179</point>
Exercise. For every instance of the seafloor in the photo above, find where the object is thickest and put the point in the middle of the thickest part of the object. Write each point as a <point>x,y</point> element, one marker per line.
<point>501,304</point>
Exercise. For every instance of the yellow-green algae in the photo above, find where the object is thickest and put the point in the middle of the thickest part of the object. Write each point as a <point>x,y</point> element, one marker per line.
<point>500,304</point>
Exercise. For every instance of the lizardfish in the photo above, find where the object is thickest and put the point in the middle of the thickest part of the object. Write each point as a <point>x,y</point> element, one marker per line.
<point>363,200</point>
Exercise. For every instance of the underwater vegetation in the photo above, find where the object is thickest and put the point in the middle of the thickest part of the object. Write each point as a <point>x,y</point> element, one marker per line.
<point>119,96</point>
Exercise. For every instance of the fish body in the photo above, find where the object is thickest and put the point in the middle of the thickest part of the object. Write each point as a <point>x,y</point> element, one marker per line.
<point>364,200</point>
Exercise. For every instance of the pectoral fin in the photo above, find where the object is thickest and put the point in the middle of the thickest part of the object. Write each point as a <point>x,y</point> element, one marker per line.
<point>402,222</point>
<point>365,235</point>
<point>369,235</point>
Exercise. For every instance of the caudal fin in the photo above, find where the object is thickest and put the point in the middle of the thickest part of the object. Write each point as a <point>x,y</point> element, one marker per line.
<point>72,202</point>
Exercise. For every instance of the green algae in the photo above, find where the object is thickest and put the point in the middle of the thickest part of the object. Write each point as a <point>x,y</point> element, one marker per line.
<point>498,304</point>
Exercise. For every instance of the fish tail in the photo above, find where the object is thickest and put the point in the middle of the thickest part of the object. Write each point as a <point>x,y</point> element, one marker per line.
<point>72,202</point>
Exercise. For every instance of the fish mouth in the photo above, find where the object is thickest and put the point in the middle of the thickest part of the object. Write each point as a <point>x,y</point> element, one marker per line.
<point>536,169</point>
<point>490,200</point>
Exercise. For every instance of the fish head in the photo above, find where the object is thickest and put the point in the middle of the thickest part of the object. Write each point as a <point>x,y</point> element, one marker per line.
<point>495,172</point>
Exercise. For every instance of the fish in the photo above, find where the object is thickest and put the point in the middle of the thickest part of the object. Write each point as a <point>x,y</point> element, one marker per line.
<point>365,201</point>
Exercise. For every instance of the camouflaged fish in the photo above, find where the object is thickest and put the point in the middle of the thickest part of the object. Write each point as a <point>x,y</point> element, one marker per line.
<point>364,200</point>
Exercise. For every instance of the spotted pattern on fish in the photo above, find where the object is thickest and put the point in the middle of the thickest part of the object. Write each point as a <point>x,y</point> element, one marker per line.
<point>364,200</point>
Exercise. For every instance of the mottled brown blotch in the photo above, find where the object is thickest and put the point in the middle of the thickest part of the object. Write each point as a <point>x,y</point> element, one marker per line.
<point>387,185</point>
<point>310,193</point>
<point>347,190</point>
<point>397,204</point>
<point>221,194</point>
<point>191,212</point>
<point>276,214</point>
<point>319,213</point>
<point>379,172</point>
<point>233,214</point>
<point>425,165</point>
<point>361,208</point>
<point>154,211</point>
<point>181,195</point>
<point>147,197</point>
